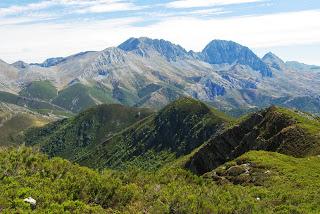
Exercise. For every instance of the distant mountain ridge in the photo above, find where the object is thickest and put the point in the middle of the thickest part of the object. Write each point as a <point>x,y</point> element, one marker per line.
<point>146,72</point>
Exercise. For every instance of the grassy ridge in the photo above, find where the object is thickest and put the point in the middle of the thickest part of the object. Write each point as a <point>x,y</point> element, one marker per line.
<point>117,136</point>
<point>176,130</point>
<point>274,129</point>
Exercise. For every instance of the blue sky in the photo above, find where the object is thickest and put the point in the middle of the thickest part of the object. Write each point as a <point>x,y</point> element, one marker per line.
<point>33,30</point>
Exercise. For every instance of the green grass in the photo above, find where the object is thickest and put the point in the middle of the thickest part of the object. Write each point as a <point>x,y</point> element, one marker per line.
<point>291,186</point>
<point>43,90</point>
<point>307,121</point>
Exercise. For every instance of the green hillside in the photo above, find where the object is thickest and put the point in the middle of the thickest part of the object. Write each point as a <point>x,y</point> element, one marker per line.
<point>74,137</point>
<point>273,129</point>
<point>43,90</point>
<point>91,138</point>
<point>12,129</point>
<point>28,102</point>
<point>79,97</point>
<point>271,183</point>
<point>15,120</point>
<point>74,98</point>
<point>186,158</point>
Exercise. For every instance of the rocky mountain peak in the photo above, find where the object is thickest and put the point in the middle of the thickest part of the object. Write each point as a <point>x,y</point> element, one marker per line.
<point>222,51</point>
<point>144,46</point>
<point>274,61</point>
<point>272,56</point>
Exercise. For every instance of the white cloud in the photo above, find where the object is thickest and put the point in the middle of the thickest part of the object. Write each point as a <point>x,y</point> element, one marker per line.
<point>103,6</point>
<point>207,12</point>
<point>205,3</point>
<point>253,31</point>
<point>15,10</point>
<point>74,6</point>
<point>35,42</point>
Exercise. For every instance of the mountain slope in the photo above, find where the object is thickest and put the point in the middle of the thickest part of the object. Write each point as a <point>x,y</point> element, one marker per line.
<point>273,129</point>
<point>302,67</point>
<point>15,120</point>
<point>8,77</point>
<point>74,137</point>
<point>175,131</point>
<point>31,103</point>
<point>43,90</point>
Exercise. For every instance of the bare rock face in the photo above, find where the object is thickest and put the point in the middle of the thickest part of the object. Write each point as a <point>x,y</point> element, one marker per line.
<point>221,51</point>
<point>268,130</point>
<point>142,46</point>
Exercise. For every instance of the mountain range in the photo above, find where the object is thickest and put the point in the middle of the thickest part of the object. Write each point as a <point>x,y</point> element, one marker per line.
<point>185,158</point>
<point>114,136</point>
<point>144,72</point>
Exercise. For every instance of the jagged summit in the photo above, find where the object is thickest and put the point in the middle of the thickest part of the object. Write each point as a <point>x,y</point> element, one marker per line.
<point>274,61</point>
<point>144,45</point>
<point>271,55</point>
<point>222,51</point>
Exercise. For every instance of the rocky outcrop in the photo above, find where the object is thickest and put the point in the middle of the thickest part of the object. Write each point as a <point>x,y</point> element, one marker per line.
<point>221,51</point>
<point>142,46</point>
<point>268,130</point>
<point>213,89</point>
<point>241,172</point>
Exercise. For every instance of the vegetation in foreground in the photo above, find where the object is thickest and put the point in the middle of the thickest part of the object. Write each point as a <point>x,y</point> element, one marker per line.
<point>287,185</point>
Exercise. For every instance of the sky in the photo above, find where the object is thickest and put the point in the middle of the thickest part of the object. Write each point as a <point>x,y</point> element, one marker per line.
<point>34,30</point>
